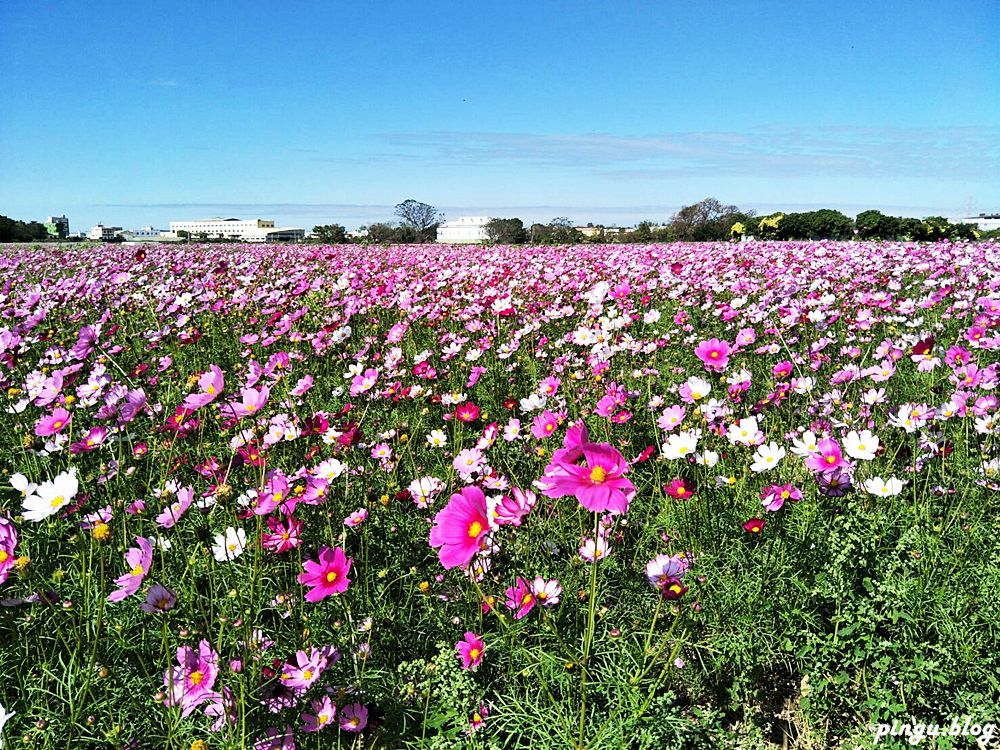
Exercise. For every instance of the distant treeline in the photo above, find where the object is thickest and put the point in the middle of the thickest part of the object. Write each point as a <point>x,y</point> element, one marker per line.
<point>12,230</point>
<point>705,221</point>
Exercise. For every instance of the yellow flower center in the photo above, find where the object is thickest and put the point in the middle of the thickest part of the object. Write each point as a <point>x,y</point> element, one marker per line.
<point>196,678</point>
<point>831,459</point>
<point>474,653</point>
<point>598,475</point>
<point>714,355</point>
<point>58,500</point>
<point>323,718</point>
<point>526,599</point>
<point>308,674</point>
<point>137,571</point>
<point>210,390</point>
<point>681,490</point>
<point>549,427</point>
<point>475,529</point>
<point>785,494</point>
<point>278,496</point>
<point>674,588</point>
<point>331,576</point>
<point>57,424</point>
<point>4,557</point>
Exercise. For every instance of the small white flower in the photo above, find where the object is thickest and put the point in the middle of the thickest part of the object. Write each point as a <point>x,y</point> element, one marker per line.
<point>5,716</point>
<point>51,496</point>
<point>884,488</point>
<point>861,445</point>
<point>437,439</point>
<point>230,545</point>
<point>766,457</point>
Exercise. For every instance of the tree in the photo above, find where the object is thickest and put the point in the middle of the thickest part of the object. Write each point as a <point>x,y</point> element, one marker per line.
<point>381,232</point>
<point>183,234</point>
<point>505,231</point>
<point>875,225</point>
<point>705,221</point>
<point>330,234</point>
<point>420,217</point>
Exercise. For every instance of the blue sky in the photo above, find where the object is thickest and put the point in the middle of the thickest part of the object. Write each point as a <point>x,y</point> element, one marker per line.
<point>133,113</point>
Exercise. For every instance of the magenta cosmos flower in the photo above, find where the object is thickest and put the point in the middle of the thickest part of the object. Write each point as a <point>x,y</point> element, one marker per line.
<point>600,485</point>
<point>714,353</point>
<point>191,682</point>
<point>470,650</point>
<point>520,598</point>
<point>326,576</point>
<point>139,560</point>
<point>460,526</point>
<point>544,424</point>
<point>53,423</point>
<point>251,401</point>
<point>826,458</point>
<point>8,541</point>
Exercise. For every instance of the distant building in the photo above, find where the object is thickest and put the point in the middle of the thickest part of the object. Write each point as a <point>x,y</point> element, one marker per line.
<point>102,233</point>
<point>465,230</point>
<point>57,226</point>
<point>245,230</point>
<point>144,233</point>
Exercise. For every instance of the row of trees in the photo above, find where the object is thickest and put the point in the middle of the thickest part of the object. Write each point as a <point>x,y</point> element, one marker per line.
<point>12,230</point>
<point>705,221</point>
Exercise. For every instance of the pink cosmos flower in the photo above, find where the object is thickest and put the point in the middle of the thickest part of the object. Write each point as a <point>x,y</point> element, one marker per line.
<point>356,518</point>
<point>173,512</point>
<point>467,412</point>
<point>460,526</point>
<point>307,669</point>
<point>714,353</point>
<point>53,423</point>
<point>546,592</point>
<point>827,457</point>
<point>508,510</point>
<point>8,541</point>
<point>159,599</point>
<point>251,401</point>
<point>326,576</point>
<point>544,424</point>
<point>191,682</point>
<point>520,598</point>
<point>775,496</point>
<point>139,560</point>
<point>663,567</point>
<point>470,651</point>
<point>282,536</point>
<point>364,383</point>
<point>600,485</point>
<point>211,384</point>
<point>322,716</point>
<point>353,718</point>
<point>93,439</point>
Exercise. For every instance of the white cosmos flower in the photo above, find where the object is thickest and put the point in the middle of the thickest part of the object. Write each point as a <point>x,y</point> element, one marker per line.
<point>805,445</point>
<point>680,445</point>
<point>766,457</point>
<point>20,483</point>
<point>437,439</point>
<point>51,496</point>
<point>884,487</point>
<point>230,545</point>
<point>744,433</point>
<point>534,402</point>
<point>861,446</point>
<point>707,458</point>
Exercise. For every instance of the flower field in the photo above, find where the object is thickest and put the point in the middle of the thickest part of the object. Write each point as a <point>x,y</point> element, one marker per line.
<point>657,496</point>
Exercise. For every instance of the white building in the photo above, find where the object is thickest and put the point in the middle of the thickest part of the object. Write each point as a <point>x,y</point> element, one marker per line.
<point>983,222</point>
<point>245,230</point>
<point>103,233</point>
<point>144,233</point>
<point>464,230</point>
